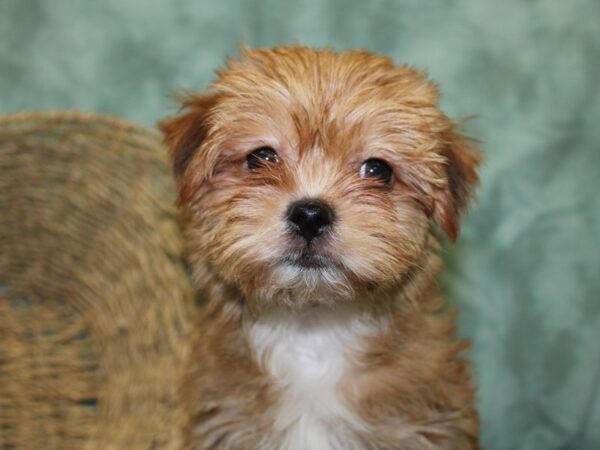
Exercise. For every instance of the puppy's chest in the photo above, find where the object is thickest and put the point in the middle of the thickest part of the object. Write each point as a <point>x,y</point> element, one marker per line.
<point>306,357</point>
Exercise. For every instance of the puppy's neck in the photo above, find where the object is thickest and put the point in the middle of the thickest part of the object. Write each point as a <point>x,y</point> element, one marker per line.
<point>314,317</point>
<point>305,354</point>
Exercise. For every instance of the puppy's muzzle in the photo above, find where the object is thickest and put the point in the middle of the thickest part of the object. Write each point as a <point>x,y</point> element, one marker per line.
<point>310,218</point>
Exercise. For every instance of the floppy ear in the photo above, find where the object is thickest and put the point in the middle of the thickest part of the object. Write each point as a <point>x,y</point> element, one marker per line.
<point>461,178</point>
<point>184,134</point>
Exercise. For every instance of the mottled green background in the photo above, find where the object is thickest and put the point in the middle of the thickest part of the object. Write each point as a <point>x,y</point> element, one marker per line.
<point>526,273</point>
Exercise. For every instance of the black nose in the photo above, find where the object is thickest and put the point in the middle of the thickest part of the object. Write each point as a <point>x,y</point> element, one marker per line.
<point>309,218</point>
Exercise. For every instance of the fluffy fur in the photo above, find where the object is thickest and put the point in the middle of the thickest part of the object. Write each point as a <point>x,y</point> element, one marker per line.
<point>355,353</point>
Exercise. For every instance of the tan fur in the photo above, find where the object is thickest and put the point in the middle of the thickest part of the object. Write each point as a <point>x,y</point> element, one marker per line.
<point>404,387</point>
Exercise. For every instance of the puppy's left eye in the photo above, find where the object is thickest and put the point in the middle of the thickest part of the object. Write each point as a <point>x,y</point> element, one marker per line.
<point>261,156</point>
<point>376,168</point>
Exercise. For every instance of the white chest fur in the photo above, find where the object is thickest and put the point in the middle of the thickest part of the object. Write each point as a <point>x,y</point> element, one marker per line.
<point>306,354</point>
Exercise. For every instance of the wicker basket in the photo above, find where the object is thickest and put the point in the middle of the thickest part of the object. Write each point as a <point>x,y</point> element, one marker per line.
<point>94,296</point>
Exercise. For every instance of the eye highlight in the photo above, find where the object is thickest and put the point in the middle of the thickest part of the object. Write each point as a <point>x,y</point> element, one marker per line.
<point>376,168</point>
<point>261,156</point>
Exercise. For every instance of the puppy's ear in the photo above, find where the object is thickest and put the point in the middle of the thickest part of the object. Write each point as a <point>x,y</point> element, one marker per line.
<point>460,166</point>
<point>184,134</point>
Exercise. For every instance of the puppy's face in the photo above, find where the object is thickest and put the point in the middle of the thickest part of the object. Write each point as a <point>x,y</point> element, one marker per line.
<point>313,176</point>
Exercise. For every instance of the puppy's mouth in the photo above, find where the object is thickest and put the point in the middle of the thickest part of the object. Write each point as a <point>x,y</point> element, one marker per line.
<point>309,260</point>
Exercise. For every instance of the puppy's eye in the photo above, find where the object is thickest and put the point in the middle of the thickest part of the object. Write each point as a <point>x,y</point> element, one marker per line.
<point>261,156</point>
<point>376,168</point>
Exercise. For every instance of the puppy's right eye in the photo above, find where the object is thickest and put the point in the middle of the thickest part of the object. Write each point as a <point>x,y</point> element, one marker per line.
<point>261,156</point>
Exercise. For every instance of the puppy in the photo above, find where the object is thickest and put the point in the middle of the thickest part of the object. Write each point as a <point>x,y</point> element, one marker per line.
<point>313,182</point>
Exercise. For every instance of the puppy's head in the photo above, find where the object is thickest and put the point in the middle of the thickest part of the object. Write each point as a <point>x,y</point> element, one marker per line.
<point>315,176</point>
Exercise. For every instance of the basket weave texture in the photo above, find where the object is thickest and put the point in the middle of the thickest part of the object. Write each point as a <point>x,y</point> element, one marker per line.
<point>95,300</point>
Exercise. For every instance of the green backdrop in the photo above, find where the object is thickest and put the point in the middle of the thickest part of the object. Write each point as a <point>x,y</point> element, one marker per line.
<point>526,273</point>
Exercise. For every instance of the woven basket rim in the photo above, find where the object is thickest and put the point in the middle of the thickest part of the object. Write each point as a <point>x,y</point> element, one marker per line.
<point>75,116</point>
